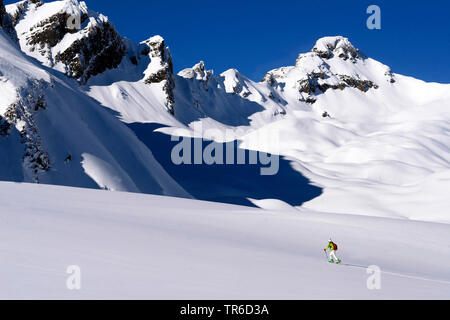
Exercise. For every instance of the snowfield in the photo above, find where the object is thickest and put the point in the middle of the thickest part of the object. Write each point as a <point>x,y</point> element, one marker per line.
<point>132,246</point>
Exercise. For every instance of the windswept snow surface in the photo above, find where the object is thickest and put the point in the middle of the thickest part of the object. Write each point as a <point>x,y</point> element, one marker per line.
<point>134,246</point>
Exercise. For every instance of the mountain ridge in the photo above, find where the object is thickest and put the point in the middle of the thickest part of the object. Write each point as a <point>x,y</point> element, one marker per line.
<point>345,121</point>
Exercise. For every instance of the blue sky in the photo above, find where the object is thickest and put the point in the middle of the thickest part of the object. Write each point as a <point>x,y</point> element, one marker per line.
<point>256,36</point>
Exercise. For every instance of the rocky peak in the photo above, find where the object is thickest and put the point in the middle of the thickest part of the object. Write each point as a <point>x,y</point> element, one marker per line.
<point>160,69</point>
<point>101,48</point>
<point>68,37</point>
<point>329,47</point>
<point>197,72</point>
<point>333,64</point>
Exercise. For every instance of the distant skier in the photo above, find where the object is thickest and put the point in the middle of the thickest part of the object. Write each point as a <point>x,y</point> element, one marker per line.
<point>333,247</point>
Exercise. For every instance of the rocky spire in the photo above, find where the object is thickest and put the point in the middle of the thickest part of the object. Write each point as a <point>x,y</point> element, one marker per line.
<point>160,69</point>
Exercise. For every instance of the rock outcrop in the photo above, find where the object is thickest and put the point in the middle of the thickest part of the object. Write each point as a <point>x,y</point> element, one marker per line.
<point>20,115</point>
<point>74,40</point>
<point>390,75</point>
<point>99,50</point>
<point>197,72</point>
<point>160,69</point>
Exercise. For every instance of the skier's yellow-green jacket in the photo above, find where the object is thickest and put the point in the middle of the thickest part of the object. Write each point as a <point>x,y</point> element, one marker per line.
<point>330,246</point>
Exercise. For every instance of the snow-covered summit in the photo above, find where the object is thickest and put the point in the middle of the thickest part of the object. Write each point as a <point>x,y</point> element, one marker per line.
<point>197,72</point>
<point>235,83</point>
<point>333,64</point>
<point>339,46</point>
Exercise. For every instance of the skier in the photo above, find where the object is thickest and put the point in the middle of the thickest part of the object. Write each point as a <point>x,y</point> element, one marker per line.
<point>333,247</point>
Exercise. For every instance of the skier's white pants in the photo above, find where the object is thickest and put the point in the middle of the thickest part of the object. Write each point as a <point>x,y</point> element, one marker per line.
<point>333,256</point>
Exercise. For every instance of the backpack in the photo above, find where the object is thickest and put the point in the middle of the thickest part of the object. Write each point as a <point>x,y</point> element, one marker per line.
<point>335,247</point>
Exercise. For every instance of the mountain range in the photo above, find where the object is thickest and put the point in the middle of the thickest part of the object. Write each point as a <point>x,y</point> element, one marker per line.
<point>86,107</point>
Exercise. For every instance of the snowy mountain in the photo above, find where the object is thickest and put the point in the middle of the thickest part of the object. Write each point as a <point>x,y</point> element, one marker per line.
<point>376,142</point>
<point>53,133</point>
<point>87,107</point>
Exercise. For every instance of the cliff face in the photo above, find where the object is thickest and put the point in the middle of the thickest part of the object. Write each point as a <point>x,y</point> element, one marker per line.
<point>99,50</point>
<point>6,22</point>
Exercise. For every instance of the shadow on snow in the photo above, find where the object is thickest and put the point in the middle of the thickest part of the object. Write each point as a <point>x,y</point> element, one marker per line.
<point>228,183</point>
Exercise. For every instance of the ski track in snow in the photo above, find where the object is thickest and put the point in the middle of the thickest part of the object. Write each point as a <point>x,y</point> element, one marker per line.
<point>397,274</point>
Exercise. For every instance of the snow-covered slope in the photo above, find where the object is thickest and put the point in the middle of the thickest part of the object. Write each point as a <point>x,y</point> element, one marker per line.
<point>53,133</point>
<point>131,246</point>
<point>374,142</point>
